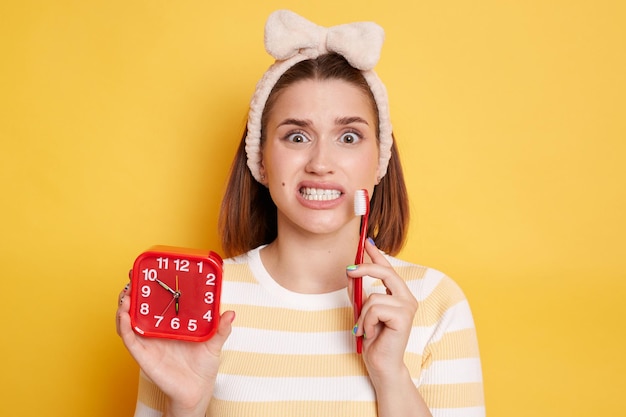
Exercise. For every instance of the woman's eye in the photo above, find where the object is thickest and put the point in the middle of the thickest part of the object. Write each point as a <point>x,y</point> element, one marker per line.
<point>350,137</point>
<point>297,137</point>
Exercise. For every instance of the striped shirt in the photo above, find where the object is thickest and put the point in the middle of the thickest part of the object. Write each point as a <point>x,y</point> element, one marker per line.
<point>293,355</point>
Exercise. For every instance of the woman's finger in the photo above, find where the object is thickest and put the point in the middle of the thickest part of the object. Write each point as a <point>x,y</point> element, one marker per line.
<point>387,275</point>
<point>375,255</point>
<point>124,328</point>
<point>123,307</point>
<point>123,293</point>
<point>223,331</point>
<point>382,269</point>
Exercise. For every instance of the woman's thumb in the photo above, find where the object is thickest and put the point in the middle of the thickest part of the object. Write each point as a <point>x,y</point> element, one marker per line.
<point>224,328</point>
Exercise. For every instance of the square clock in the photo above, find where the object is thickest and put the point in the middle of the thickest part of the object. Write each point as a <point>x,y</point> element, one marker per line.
<point>175,293</point>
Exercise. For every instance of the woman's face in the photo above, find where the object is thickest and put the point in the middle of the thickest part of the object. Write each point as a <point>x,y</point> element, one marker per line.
<point>320,148</point>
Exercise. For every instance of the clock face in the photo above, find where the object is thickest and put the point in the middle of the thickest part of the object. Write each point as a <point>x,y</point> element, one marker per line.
<point>175,293</point>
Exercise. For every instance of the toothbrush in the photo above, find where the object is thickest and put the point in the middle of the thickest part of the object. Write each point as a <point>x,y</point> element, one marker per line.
<point>361,208</point>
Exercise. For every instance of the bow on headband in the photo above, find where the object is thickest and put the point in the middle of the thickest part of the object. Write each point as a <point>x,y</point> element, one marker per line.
<point>287,34</point>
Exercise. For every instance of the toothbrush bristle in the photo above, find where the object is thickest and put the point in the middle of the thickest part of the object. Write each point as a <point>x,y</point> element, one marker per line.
<point>360,203</point>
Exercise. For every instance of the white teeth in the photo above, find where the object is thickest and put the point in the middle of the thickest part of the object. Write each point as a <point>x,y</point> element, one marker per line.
<point>319,194</point>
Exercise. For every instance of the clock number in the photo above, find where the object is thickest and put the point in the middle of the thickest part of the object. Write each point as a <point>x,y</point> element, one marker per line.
<point>181,265</point>
<point>208,297</point>
<point>149,274</point>
<point>163,263</point>
<point>208,316</point>
<point>145,291</point>
<point>210,279</point>
<point>192,326</point>
<point>144,309</point>
<point>200,266</point>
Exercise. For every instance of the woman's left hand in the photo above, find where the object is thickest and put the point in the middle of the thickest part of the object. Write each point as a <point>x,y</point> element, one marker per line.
<point>386,319</point>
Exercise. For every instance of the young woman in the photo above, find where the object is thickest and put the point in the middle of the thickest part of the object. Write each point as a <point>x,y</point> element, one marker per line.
<point>318,131</point>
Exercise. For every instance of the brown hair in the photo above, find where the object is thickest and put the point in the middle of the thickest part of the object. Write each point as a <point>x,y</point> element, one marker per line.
<point>248,215</point>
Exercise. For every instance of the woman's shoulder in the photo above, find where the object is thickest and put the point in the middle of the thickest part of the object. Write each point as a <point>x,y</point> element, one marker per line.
<point>244,258</point>
<point>240,259</point>
<point>427,283</point>
<point>442,302</point>
<point>240,268</point>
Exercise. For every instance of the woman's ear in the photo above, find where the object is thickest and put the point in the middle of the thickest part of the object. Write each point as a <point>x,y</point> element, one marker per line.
<point>263,179</point>
<point>378,176</point>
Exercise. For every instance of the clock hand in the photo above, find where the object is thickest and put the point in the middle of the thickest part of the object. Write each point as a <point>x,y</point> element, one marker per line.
<point>168,306</point>
<point>164,285</point>
<point>177,296</point>
<point>174,298</point>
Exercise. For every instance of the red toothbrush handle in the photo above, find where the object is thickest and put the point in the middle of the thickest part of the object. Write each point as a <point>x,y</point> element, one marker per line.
<point>358,304</point>
<point>358,292</point>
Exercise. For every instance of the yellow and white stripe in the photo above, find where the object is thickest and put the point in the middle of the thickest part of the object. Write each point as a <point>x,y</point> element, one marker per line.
<point>294,354</point>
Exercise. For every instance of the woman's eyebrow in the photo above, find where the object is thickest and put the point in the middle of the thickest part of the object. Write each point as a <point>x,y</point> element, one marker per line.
<point>350,120</point>
<point>295,122</point>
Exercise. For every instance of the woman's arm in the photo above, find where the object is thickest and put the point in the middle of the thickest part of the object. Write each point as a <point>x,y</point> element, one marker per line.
<point>397,396</point>
<point>385,323</point>
<point>449,365</point>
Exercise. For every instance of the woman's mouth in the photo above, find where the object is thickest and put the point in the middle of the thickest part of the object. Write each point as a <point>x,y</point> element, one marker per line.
<point>319,194</point>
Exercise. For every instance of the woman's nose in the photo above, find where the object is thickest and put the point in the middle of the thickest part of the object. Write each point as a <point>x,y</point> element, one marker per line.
<point>321,158</point>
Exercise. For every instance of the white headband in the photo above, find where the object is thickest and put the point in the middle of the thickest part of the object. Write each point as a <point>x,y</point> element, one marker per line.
<point>290,38</point>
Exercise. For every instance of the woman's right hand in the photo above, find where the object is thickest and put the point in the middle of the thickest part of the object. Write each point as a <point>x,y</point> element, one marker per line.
<point>184,371</point>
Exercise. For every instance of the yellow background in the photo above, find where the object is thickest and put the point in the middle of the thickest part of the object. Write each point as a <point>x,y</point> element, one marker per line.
<point>118,120</point>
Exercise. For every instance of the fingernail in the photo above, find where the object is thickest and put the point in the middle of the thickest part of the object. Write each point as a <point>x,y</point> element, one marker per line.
<point>355,329</point>
<point>351,267</point>
<point>127,287</point>
<point>121,300</point>
<point>371,241</point>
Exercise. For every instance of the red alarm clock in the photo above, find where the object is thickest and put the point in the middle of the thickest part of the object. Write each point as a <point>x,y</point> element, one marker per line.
<point>175,293</point>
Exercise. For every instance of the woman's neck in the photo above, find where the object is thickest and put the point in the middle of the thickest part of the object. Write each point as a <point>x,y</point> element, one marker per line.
<point>310,264</point>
